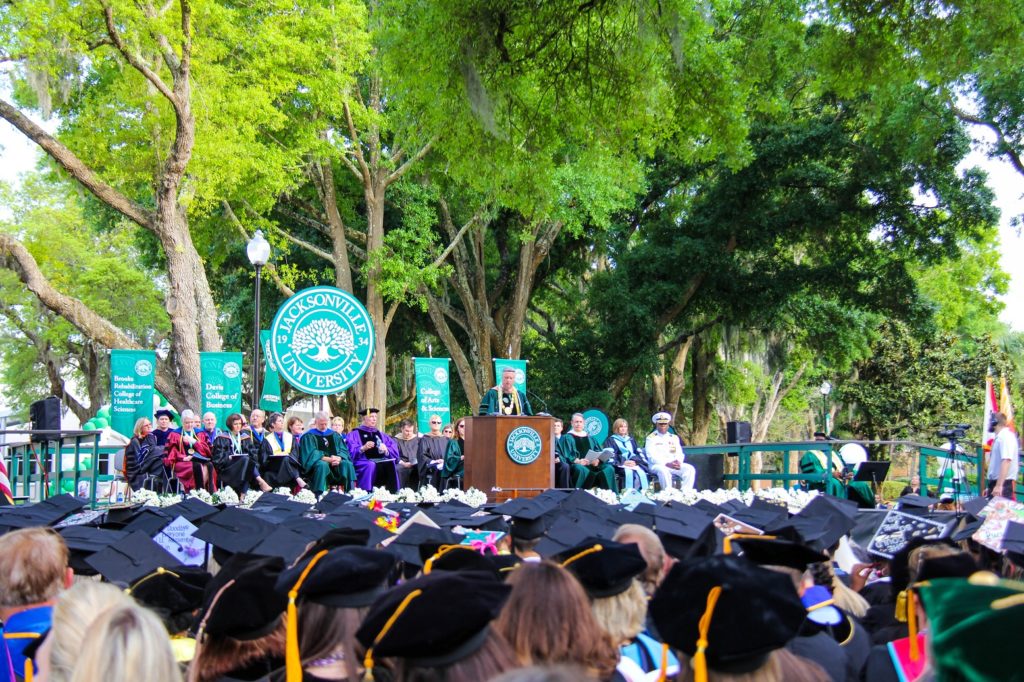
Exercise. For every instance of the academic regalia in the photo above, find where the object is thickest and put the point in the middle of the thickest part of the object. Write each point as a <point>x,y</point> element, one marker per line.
<point>626,450</point>
<point>431,448</point>
<point>142,458</point>
<point>407,452</point>
<point>20,630</point>
<point>454,464</point>
<point>313,447</point>
<point>572,447</point>
<point>819,648</point>
<point>235,461</point>
<point>278,458</point>
<point>161,436</point>
<point>257,436</point>
<point>366,468</point>
<point>188,472</point>
<point>814,462</point>
<point>507,403</point>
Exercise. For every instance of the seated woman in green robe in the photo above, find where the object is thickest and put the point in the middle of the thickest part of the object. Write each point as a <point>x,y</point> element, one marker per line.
<point>818,462</point>
<point>455,456</point>
<point>572,452</point>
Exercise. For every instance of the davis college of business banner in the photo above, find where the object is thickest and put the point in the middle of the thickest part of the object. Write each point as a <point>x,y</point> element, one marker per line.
<point>131,388</point>
<point>432,392</point>
<point>222,384</point>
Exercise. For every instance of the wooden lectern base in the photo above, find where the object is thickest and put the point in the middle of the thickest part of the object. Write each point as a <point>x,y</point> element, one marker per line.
<point>491,469</point>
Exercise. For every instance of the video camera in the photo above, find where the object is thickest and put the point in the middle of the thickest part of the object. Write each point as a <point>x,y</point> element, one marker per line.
<point>953,431</point>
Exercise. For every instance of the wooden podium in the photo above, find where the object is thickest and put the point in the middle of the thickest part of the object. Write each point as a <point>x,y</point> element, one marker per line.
<point>491,469</point>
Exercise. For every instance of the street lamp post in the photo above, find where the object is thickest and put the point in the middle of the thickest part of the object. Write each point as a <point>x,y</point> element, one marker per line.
<point>258,250</point>
<point>825,389</point>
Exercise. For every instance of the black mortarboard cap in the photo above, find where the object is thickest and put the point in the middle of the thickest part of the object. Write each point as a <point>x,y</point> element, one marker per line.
<point>148,520</point>
<point>269,500</point>
<point>84,541</point>
<point>130,558</point>
<point>282,542</point>
<point>248,608</point>
<point>966,529</point>
<point>332,501</point>
<point>563,534</point>
<point>368,410</point>
<point>976,506</point>
<point>192,509</point>
<point>344,577</point>
<point>908,502</point>
<point>709,507</point>
<point>163,413</point>
<point>604,568</point>
<point>960,565</point>
<point>444,623</point>
<point>757,611</point>
<point>775,552</point>
<point>174,595</point>
<point>407,545</point>
<point>234,530</point>
<point>1013,542</point>
<point>454,558</point>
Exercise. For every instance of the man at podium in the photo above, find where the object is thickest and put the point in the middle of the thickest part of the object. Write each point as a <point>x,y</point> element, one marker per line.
<point>505,398</point>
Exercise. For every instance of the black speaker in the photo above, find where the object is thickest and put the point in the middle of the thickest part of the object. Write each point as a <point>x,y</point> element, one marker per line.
<point>45,416</point>
<point>737,432</point>
<point>710,470</point>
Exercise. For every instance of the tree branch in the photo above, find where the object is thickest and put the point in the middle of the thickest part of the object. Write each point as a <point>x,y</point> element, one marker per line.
<point>136,61</point>
<point>357,147</point>
<point>404,168</point>
<point>78,170</point>
<point>1004,145</point>
<point>269,267</point>
<point>684,336</point>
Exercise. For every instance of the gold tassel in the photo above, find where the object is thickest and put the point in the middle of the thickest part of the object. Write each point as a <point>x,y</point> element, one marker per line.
<point>428,566</point>
<point>368,659</point>
<point>663,674</point>
<point>293,658</point>
<point>901,607</point>
<point>700,663</point>
<point>29,670</point>
<point>915,653</point>
<point>574,557</point>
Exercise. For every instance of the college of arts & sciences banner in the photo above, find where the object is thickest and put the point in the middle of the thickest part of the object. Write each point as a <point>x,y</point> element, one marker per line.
<point>221,374</point>
<point>432,395</point>
<point>132,373</point>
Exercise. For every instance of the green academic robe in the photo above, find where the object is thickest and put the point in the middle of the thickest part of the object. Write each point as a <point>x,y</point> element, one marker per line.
<point>600,476</point>
<point>490,403</point>
<point>318,474</point>
<point>810,463</point>
<point>454,465</point>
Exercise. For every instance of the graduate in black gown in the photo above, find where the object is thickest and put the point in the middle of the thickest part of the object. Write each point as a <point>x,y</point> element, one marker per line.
<point>430,453</point>
<point>235,458</point>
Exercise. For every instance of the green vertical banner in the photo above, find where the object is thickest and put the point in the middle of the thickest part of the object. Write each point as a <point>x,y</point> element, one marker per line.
<point>270,397</point>
<point>432,396</point>
<point>221,375</point>
<point>518,365</point>
<point>131,388</point>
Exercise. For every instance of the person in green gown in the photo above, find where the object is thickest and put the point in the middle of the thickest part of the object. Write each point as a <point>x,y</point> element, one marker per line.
<point>818,462</point>
<point>324,457</point>
<point>572,452</point>
<point>505,398</point>
<point>455,456</point>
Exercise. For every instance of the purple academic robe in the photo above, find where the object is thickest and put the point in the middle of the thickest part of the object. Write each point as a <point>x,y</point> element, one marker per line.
<point>366,471</point>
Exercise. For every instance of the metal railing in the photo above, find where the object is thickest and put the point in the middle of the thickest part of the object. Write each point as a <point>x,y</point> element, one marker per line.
<point>37,463</point>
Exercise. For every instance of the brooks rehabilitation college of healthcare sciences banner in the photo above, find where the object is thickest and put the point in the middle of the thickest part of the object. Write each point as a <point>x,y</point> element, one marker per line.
<point>131,388</point>
<point>222,384</point>
<point>518,365</point>
<point>270,397</point>
<point>432,396</point>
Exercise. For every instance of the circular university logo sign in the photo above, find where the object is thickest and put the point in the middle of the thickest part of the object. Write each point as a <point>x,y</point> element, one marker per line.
<point>143,368</point>
<point>322,340</point>
<point>440,375</point>
<point>232,370</point>
<point>523,445</point>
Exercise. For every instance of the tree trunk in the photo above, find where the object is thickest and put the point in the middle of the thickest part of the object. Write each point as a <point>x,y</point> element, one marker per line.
<point>699,382</point>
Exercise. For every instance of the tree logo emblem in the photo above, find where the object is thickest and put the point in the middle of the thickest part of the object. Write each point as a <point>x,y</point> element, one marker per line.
<point>232,370</point>
<point>322,340</point>
<point>143,368</point>
<point>523,445</point>
<point>440,375</point>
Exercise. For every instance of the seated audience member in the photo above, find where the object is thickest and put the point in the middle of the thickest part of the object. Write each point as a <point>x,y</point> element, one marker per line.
<point>189,465</point>
<point>535,638</point>
<point>585,472</point>
<point>455,456</point>
<point>235,457</point>
<point>33,571</point>
<point>430,453</point>
<point>278,456</point>
<point>374,453</point>
<point>665,454</point>
<point>143,460</point>
<point>296,427</point>
<point>324,457</point>
<point>164,426</point>
<point>628,456</point>
<point>408,447</point>
<point>209,430</point>
<point>256,430</point>
<point>338,424</point>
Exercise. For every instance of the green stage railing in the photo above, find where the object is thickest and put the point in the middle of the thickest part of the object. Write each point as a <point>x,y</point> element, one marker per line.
<point>30,459</point>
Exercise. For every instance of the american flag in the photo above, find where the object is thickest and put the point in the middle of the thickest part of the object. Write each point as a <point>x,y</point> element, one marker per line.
<point>6,496</point>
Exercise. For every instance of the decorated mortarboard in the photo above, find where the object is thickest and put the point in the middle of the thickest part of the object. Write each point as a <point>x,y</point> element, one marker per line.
<point>125,561</point>
<point>604,568</point>
<point>174,594</point>
<point>742,611</point>
<point>240,602</point>
<point>368,410</point>
<point>234,530</point>
<point>900,528</point>
<point>434,620</point>
<point>332,501</point>
<point>770,551</point>
<point>973,624</point>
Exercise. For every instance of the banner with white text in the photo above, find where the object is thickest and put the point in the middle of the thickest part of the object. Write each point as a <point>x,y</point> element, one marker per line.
<point>221,375</point>
<point>432,394</point>
<point>132,373</point>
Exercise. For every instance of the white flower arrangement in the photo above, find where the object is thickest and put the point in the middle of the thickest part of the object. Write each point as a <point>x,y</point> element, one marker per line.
<point>471,497</point>
<point>428,493</point>
<point>287,492</point>
<point>202,495</point>
<point>226,496</point>
<point>606,496</point>
<point>305,496</point>
<point>147,498</point>
<point>407,495</point>
<point>250,497</point>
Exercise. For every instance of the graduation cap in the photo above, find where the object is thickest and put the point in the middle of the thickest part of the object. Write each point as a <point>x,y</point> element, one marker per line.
<point>565,533</point>
<point>768,551</point>
<point>743,611</point>
<point>604,568</point>
<point>269,500</point>
<point>908,502</point>
<point>281,542</point>
<point>974,624</point>
<point>455,558</point>
<point>976,506</point>
<point>332,501</point>
<point>174,595</point>
<point>148,520</point>
<point>820,605</point>
<point>130,558</point>
<point>240,602</point>
<point>342,577</point>
<point>163,413</point>
<point>45,513</point>
<point>1013,542</point>
<point>434,620</point>
<point>966,529</point>
<point>368,410</point>
<point>407,545</point>
<point>84,541</point>
<point>192,509</point>
<point>959,565</point>
<point>234,530</point>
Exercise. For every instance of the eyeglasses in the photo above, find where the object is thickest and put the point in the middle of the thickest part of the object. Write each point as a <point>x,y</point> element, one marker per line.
<point>435,422</point>
<point>462,426</point>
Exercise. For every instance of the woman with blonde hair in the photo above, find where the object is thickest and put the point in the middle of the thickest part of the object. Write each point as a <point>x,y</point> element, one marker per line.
<point>124,644</point>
